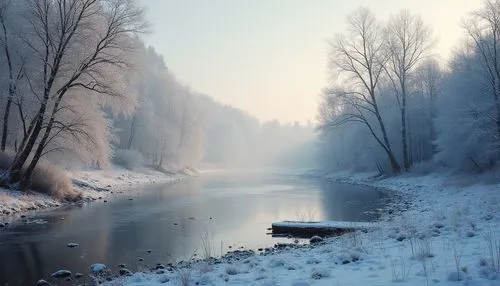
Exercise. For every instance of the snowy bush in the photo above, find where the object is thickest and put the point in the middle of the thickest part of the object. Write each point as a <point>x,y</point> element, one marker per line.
<point>129,159</point>
<point>319,273</point>
<point>49,179</point>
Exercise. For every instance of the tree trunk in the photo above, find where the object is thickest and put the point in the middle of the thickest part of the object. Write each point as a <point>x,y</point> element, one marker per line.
<point>132,132</point>
<point>26,176</point>
<point>5,128</point>
<point>404,139</point>
<point>12,87</point>
<point>396,168</point>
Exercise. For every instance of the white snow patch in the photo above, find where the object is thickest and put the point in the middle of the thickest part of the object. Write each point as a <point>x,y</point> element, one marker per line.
<point>100,184</point>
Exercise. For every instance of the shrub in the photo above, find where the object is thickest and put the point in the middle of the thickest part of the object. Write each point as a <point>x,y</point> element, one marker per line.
<point>49,179</point>
<point>129,159</point>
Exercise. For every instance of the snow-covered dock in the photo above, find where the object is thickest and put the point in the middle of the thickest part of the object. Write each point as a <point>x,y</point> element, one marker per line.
<point>308,229</point>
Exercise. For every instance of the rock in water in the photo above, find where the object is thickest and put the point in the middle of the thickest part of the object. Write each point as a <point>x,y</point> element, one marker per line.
<point>42,282</point>
<point>316,239</point>
<point>78,275</point>
<point>125,272</point>
<point>98,269</point>
<point>72,245</point>
<point>61,274</point>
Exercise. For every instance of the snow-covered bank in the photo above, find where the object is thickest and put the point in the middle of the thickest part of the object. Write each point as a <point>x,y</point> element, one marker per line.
<point>447,234</point>
<point>93,184</point>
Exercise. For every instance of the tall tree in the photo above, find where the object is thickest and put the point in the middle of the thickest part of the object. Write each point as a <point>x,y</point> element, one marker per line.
<point>80,45</point>
<point>15,69</point>
<point>483,28</point>
<point>358,61</point>
<point>408,41</point>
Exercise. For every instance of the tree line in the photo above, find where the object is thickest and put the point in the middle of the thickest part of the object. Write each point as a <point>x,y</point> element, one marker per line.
<point>392,105</point>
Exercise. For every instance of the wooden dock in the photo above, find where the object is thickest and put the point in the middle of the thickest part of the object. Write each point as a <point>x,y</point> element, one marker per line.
<point>321,228</point>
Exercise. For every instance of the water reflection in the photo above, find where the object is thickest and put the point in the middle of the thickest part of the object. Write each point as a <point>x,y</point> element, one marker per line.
<point>170,221</point>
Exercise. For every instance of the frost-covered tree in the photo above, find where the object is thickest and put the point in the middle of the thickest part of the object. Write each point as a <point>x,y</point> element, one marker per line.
<point>80,48</point>
<point>468,118</point>
<point>408,41</point>
<point>166,127</point>
<point>358,60</point>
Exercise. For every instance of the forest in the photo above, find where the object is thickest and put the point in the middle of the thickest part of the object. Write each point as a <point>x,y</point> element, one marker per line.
<point>81,90</point>
<point>393,106</point>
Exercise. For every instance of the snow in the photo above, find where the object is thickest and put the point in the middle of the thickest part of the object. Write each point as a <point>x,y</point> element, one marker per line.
<point>61,274</point>
<point>324,225</point>
<point>97,268</point>
<point>449,234</point>
<point>94,184</point>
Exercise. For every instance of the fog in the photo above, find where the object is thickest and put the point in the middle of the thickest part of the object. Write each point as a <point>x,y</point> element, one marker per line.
<point>89,92</point>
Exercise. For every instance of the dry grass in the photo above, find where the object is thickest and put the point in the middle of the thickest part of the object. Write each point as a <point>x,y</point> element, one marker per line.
<point>48,179</point>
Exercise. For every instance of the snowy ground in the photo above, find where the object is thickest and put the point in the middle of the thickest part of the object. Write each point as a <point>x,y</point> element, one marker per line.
<point>100,184</point>
<point>449,234</point>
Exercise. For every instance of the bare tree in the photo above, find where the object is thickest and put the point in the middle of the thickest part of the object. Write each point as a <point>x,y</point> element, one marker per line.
<point>407,42</point>
<point>14,73</point>
<point>359,61</point>
<point>483,28</point>
<point>81,46</point>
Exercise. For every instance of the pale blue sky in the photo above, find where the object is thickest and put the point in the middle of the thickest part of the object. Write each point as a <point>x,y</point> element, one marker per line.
<point>269,57</point>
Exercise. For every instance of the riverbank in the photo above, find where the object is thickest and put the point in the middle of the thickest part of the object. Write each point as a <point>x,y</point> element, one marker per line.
<point>446,233</point>
<point>95,184</point>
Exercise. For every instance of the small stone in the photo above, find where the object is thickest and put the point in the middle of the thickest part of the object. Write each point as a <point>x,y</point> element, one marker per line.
<point>125,272</point>
<point>105,201</point>
<point>78,275</point>
<point>42,282</point>
<point>260,249</point>
<point>122,265</point>
<point>148,251</point>
<point>191,218</point>
<point>159,266</point>
<point>100,198</point>
<point>316,239</point>
<point>23,216</point>
<point>141,259</point>
<point>176,223</point>
<point>73,245</point>
<point>98,269</point>
<point>130,199</point>
<point>61,274</point>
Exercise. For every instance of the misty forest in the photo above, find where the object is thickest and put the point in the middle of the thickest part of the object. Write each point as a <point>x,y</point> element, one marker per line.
<point>113,171</point>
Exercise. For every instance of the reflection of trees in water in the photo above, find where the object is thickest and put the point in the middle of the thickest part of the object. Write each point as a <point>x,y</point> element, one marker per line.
<point>345,202</point>
<point>25,258</point>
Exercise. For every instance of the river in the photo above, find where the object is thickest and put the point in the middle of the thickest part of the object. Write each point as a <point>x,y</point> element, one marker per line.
<point>167,223</point>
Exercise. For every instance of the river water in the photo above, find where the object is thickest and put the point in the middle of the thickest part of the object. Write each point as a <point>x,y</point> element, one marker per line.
<point>167,223</point>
